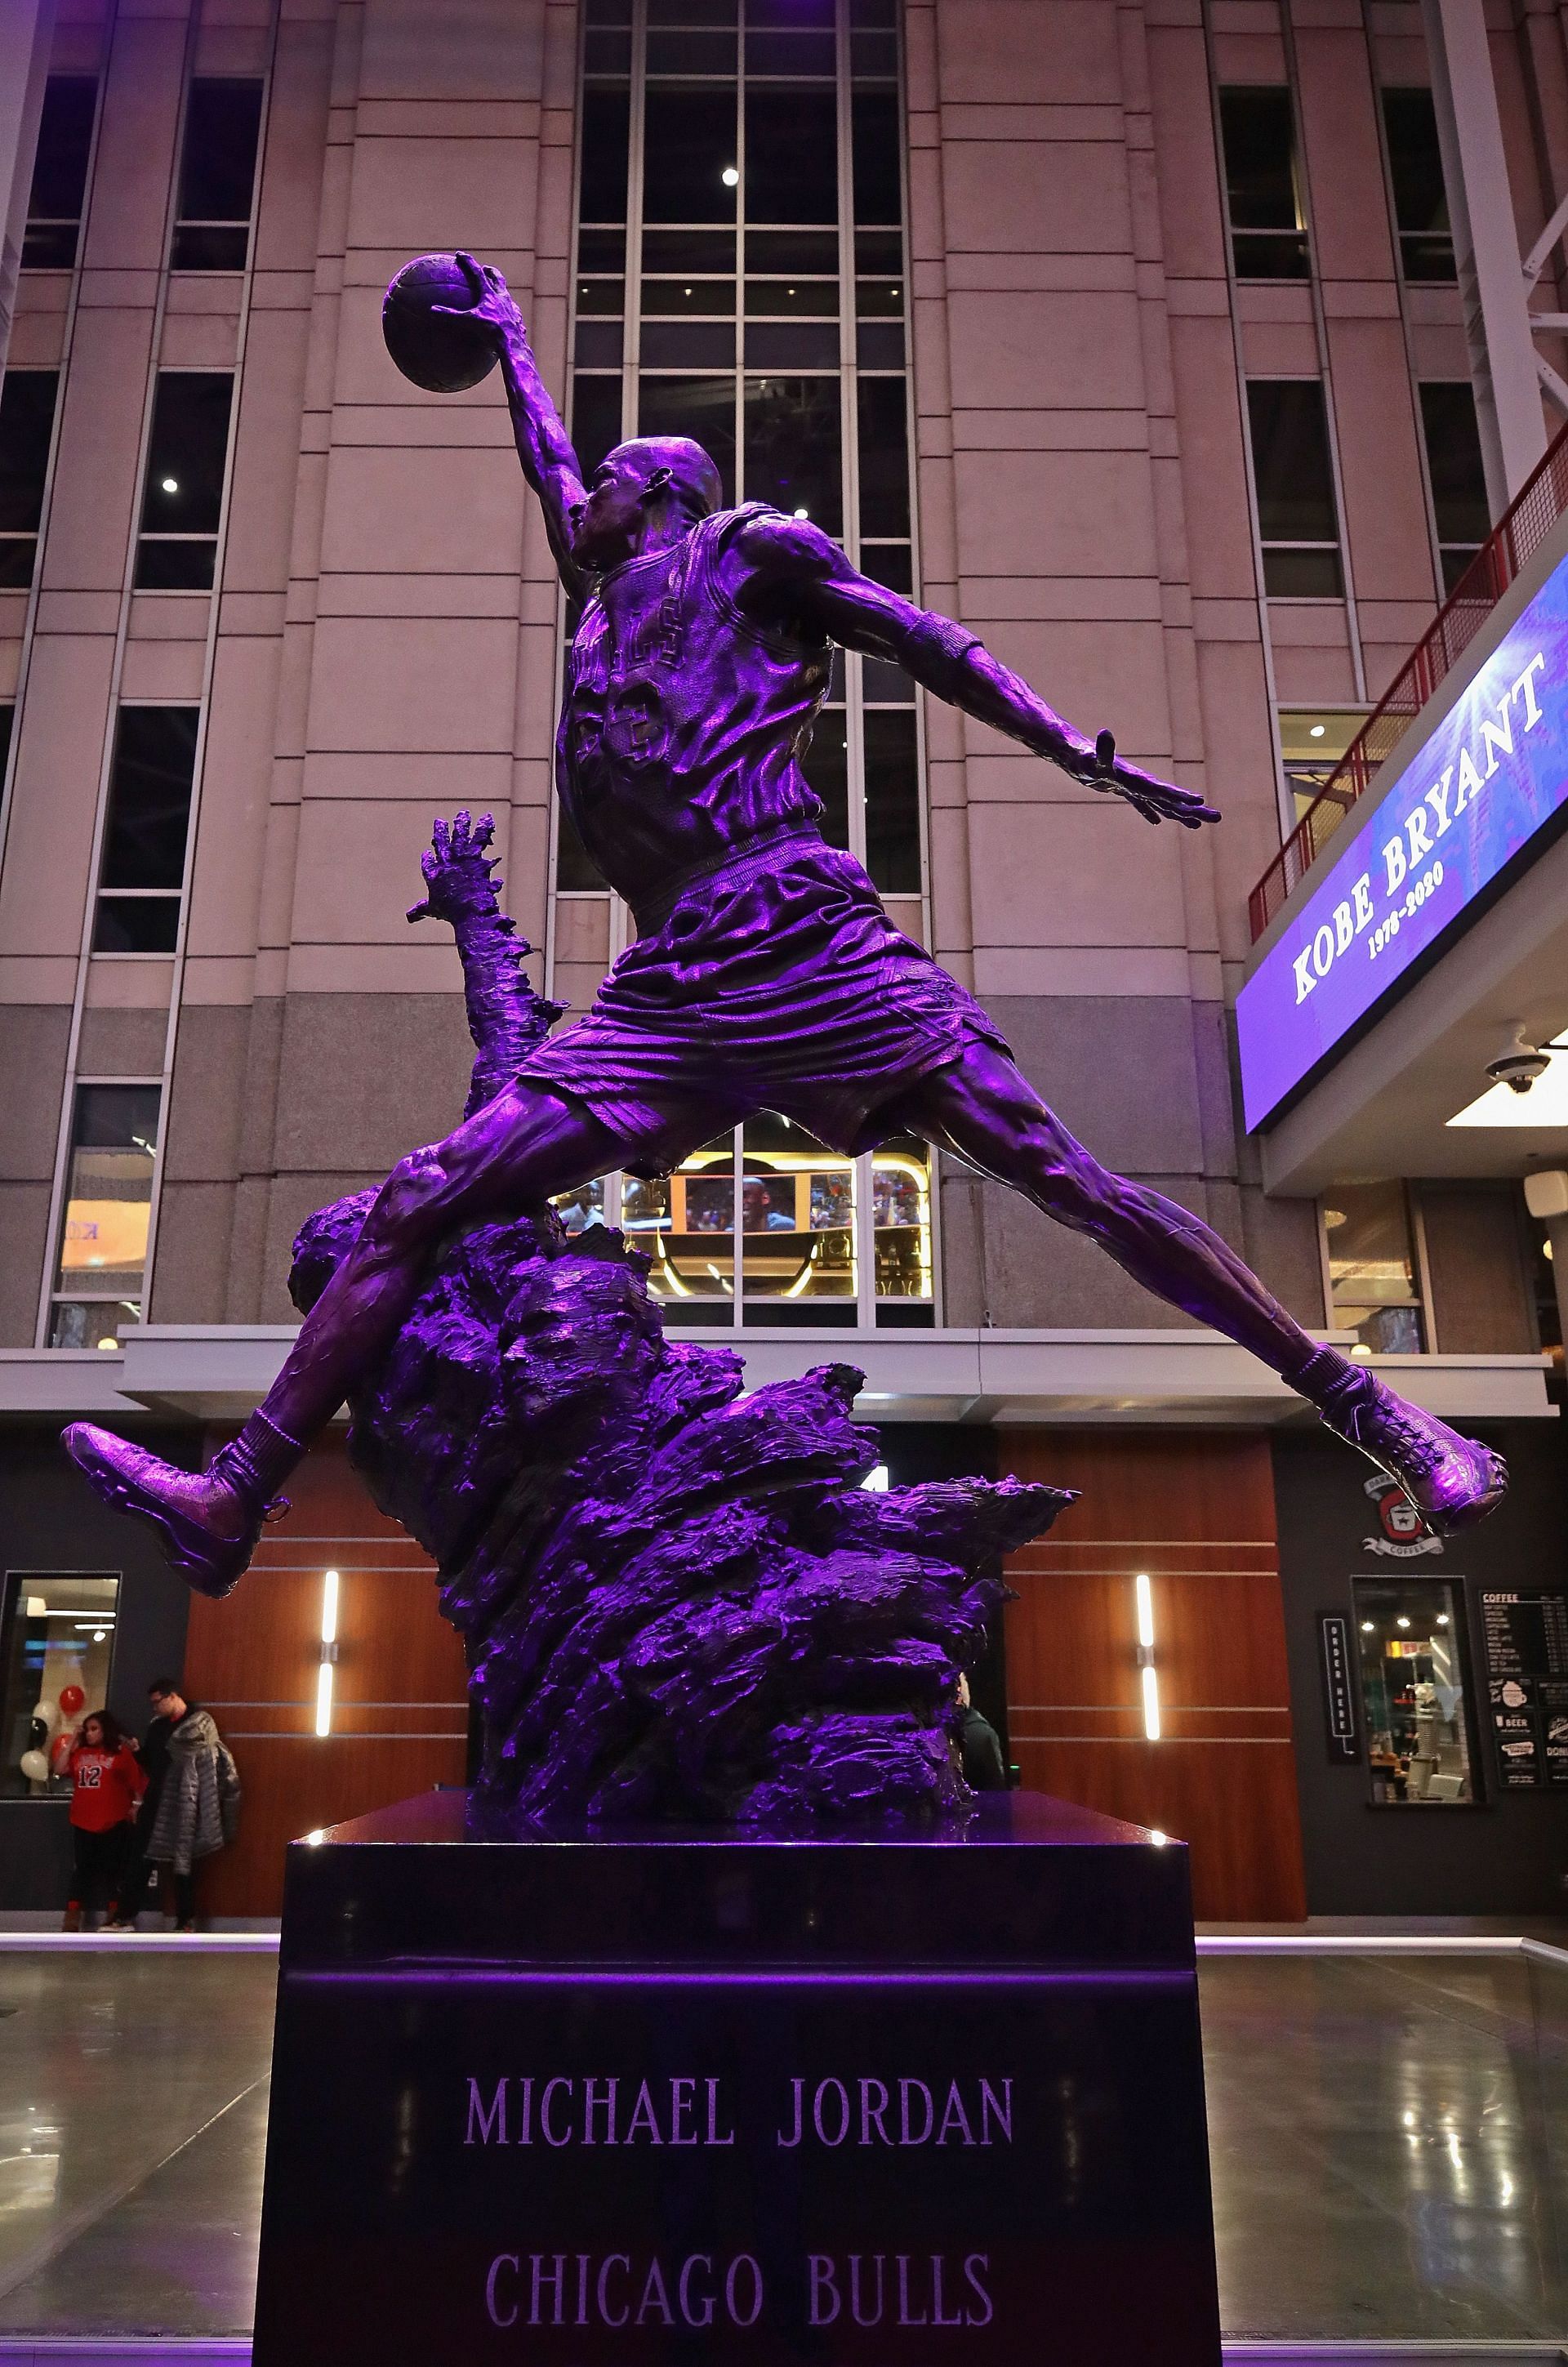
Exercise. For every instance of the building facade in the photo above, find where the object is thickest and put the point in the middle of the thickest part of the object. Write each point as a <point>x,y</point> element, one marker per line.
<point>1130,334</point>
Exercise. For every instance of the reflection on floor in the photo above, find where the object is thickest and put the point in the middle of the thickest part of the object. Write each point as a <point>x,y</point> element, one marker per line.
<point>132,2121</point>
<point>1390,2144</point>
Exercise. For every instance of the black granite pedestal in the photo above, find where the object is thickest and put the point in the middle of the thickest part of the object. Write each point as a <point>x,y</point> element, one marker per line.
<point>665,2096</point>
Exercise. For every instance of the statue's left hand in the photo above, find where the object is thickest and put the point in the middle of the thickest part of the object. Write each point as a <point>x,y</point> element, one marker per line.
<point>1099,768</point>
<point>457,871</point>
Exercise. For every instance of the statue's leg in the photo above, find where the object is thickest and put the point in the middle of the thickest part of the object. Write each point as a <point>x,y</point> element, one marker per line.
<point>522,1146</point>
<point>986,1110</point>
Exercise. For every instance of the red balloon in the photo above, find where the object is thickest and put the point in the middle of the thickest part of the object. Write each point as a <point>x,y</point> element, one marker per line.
<point>71,1698</point>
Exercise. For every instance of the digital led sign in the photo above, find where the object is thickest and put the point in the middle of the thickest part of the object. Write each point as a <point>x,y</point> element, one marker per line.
<point>1490,777</point>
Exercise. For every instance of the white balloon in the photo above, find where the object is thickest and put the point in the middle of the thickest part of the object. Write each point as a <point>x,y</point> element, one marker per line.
<point>34,1766</point>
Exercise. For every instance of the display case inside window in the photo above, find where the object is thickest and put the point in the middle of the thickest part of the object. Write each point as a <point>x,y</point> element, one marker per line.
<point>766,1226</point>
<point>901,1229</point>
<point>582,1207</point>
<point>1415,1692</point>
<point>797,1215</point>
<point>57,1632</point>
<point>686,1223</point>
<point>1374,1286</point>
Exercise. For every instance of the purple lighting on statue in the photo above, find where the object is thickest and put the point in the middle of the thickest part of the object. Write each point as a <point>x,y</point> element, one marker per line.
<point>677,1597</point>
<point>1491,776</point>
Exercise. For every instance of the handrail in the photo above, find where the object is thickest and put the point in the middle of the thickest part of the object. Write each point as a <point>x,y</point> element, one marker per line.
<point>1512,542</point>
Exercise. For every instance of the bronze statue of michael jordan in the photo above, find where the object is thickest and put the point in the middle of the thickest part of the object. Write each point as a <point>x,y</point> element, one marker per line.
<point>766,973</point>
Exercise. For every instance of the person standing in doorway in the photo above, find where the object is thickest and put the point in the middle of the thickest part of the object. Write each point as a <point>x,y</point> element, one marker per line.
<point>199,1802</point>
<point>979,1746</point>
<point>168,1706</point>
<point>106,1784</point>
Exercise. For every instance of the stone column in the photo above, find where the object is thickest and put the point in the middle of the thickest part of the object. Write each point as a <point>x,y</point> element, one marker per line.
<point>1546,1197</point>
<point>25,27</point>
<point>1486,246</point>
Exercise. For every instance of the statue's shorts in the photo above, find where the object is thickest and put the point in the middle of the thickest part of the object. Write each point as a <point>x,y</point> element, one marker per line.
<point>773,982</point>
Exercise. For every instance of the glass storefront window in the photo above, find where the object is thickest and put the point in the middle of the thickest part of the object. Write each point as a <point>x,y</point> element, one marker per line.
<point>686,1223</point>
<point>797,1202</point>
<point>56,1642</point>
<point>767,1226</point>
<point>1373,1282</point>
<point>1410,1653</point>
<point>1312,742</point>
<point>901,1219</point>
<point>741,278</point>
<point>101,1262</point>
<point>585,1207</point>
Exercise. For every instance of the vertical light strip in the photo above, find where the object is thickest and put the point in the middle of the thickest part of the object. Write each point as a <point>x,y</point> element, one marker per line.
<point>1143,1594</point>
<point>329,1653</point>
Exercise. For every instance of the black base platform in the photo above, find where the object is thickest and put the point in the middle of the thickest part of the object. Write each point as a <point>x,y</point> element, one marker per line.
<point>694,2096</point>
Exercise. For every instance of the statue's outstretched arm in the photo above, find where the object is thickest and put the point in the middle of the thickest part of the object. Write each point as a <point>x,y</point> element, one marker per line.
<point>543,445</point>
<point>794,570</point>
<point>506,1018</point>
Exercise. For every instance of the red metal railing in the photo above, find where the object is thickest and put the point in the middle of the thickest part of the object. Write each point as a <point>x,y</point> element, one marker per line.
<point>1514,540</point>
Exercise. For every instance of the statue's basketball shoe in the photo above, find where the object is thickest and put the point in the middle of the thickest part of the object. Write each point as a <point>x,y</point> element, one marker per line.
<point>206,1522</point>
<point>1453,1481</point>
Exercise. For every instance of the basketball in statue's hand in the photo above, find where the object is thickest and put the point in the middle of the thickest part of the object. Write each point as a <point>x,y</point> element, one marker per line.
<point>430,347</point>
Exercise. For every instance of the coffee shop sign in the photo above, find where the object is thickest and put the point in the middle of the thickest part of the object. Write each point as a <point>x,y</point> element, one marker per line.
<point>1405,1534</point>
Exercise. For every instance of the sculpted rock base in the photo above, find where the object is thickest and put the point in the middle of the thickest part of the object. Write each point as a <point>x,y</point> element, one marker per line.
<point>677,1599</point>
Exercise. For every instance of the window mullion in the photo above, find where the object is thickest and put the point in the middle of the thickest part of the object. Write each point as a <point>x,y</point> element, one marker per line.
<point>737,1258</point>
<point>631,364</point>
<point>849,432</point>
<point>742,492</point>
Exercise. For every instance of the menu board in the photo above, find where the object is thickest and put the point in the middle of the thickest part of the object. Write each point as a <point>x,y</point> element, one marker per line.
<point>1527,1653</point>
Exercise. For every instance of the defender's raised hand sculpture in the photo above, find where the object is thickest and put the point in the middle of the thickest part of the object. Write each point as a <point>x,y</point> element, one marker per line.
<point>506,1019</point>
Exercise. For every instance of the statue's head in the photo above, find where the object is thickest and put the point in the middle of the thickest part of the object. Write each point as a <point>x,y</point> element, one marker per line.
<point>666,473</point>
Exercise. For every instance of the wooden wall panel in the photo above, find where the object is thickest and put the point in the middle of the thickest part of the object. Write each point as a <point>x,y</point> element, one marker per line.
<point>399,1711</point>
<point>1196,1511</point>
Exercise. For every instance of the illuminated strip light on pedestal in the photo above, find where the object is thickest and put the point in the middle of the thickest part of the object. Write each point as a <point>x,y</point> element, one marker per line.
<point>329,1653</point>
<point>1149,1674</point>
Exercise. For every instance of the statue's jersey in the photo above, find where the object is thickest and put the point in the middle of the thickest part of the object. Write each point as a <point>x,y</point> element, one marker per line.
<point>683,721</point>
<point>766,973</point>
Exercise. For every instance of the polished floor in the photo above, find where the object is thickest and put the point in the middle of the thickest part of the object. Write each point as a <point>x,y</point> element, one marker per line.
<point>1389,2134</point>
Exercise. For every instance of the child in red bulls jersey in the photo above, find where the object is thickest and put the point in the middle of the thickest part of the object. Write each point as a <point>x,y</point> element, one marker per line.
<point>107,1782</point>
